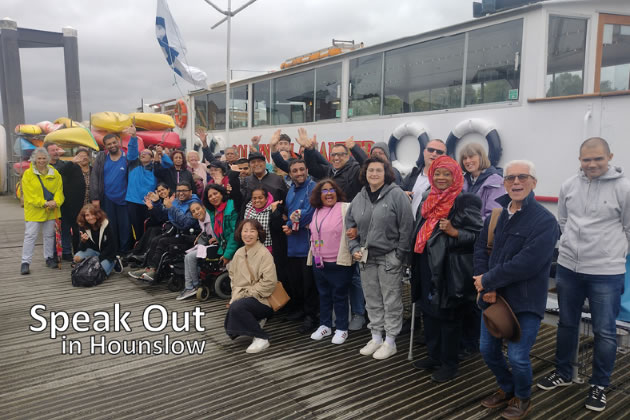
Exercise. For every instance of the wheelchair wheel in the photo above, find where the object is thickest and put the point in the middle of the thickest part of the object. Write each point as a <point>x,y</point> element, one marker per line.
<point>222,286</point>
<point>203,293</point>
<point>175,283</point>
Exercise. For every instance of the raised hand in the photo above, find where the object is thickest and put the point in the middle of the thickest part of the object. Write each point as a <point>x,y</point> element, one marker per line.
<point>350,143</point>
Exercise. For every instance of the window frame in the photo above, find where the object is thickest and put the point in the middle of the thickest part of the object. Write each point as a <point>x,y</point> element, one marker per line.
<point>605,19</point>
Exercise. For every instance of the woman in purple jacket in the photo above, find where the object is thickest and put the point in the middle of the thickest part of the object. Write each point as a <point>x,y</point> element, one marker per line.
<point>486,181</point>
<point>481,178</point>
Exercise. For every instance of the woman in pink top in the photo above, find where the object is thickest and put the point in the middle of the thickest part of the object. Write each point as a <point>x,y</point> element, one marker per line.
<point>331,260</point>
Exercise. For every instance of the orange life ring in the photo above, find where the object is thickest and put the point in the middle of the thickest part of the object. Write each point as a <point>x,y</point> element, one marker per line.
<point>181,113</point>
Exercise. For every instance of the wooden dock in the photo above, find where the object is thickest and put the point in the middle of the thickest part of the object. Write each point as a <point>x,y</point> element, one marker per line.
<point>296,378</point>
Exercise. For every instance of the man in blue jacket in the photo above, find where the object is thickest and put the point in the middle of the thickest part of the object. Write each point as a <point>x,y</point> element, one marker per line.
<point>301,288</point>
<point>518,270</point>
<point>182,220</point>
<point>594,215</point>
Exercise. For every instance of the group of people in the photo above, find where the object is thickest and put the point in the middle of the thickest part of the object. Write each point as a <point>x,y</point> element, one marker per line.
<point>340,235</point>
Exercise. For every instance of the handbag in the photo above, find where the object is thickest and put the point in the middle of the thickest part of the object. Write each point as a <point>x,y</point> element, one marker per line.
<point>48,196</point>
<point>88,273</point>
<point>278,298</point>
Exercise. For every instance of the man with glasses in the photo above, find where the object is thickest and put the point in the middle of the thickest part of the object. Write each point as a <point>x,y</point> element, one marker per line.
<point>517,269</point>
<point>178,208</point>
<point>345,172</point>
<point>594,215</point>
<point>417,181</point>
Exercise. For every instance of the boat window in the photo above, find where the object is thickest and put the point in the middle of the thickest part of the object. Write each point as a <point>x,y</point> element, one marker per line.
<point>493,63</point>
<point>425,76</point>
<point>566,48</point>
<point>328,92</point>
<point>365,85</point>
<point>613,54</point>
<point>262,109</point>
<point>216,111</point>
<point>293,98</point>
<point>238,107</point>
<point>201,112</point>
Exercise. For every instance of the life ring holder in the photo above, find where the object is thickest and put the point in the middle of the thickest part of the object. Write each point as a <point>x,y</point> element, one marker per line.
<point>476,125</point>
<point>181,113</point>
<point>407,129</point>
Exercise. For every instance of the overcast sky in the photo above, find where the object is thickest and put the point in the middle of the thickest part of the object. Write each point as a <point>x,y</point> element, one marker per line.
<point>121,62</point>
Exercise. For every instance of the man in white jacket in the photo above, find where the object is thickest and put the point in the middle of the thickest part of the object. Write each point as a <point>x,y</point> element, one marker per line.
<point>594,215</point>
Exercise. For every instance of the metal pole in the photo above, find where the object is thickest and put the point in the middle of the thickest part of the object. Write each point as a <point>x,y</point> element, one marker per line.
<point>227,75</point>
<point>413,326</point>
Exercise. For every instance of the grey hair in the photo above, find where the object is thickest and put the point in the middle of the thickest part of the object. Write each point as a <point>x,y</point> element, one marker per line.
<point>40,151</point>
<point>528,163</point>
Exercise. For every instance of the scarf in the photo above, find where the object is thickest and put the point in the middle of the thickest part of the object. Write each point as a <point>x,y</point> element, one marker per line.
<point>219,212</point>
<point>269,201</point>
<point>438,203</point>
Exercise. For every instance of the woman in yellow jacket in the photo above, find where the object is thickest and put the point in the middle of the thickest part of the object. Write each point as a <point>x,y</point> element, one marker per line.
<point>43,196</point>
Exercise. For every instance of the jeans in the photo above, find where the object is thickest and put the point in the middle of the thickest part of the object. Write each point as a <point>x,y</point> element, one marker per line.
<point>518,381</point>
<point>108,265</point>
<point>67,239</point>
<point>191,270</point>
<point>119,221</point>
<point>604,297</point>
<point>357,300</point>
<point>332,283</point>
<point>31,231</point>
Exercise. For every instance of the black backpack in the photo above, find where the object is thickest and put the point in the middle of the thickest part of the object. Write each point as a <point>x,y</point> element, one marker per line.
<point>88,273</point>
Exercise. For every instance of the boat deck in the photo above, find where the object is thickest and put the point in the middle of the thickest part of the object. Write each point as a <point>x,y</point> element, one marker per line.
<point>295,378</point>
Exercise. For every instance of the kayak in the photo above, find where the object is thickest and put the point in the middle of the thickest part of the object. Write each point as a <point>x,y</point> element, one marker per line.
<point>23,147</point>
<point>72,137</point>
<point>152,121</point>
<point>48,127</point>
<point>28,129</point>
<point>114,122</point>
<point>20,167</point>
<point>99,134</point>
<point>67,122</point>
<point>163,138</point>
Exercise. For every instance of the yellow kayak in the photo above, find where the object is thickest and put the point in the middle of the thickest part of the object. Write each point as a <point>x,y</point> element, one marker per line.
<point>114,122</point>
<point>153,122</point>
<point>28,129</point>
<point>67,122</point>
<point>72,137</point>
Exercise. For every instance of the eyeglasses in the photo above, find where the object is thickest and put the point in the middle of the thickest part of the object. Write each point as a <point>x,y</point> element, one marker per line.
<point>328,191</point>
<point>438,151</point>
<point>521,177</point>
<point>181,191</point>
<point>338,154</point>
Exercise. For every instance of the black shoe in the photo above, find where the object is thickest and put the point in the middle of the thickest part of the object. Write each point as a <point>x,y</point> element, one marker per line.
<point>295,316</point>
<point>426,364</point>
<point>596,399</point>
<point>24,269</point>
<point>52,263</point>
<point>66,257</point>
<point>444,374</point>
<point>466,354</point>
<point>308,326</point>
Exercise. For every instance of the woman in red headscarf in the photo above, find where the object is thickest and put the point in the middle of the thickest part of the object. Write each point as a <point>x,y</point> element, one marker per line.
<point>447,225</point>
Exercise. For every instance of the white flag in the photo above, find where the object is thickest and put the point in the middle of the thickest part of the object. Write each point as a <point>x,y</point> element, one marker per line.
<point>173,47</point>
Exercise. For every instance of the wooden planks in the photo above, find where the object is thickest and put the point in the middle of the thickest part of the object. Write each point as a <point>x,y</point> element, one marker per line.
<point>295,378</point>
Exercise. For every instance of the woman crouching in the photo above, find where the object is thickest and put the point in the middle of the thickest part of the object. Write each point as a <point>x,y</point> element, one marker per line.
<point>97,238</point>
<point>253,279</point>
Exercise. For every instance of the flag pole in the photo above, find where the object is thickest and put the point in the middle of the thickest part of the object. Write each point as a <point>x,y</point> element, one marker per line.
<point>228,16</point>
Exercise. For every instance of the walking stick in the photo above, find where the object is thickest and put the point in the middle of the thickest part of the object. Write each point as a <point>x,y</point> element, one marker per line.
<point>413,325</point>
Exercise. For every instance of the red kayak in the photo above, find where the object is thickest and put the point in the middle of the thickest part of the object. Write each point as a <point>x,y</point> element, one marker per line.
<point>167,139</point>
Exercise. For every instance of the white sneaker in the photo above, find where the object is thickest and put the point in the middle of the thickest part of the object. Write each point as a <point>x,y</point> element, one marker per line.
<point>186,294</point>
<point>340,337</point>
<point>322,331</point>
<point>384,351</point>
<point>258,345</point>
<point>370,348</point>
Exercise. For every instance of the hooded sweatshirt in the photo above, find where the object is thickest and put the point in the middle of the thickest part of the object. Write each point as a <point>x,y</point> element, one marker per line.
<point>488,186</point>
<point>385,225</point>
<point>594,216</point>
